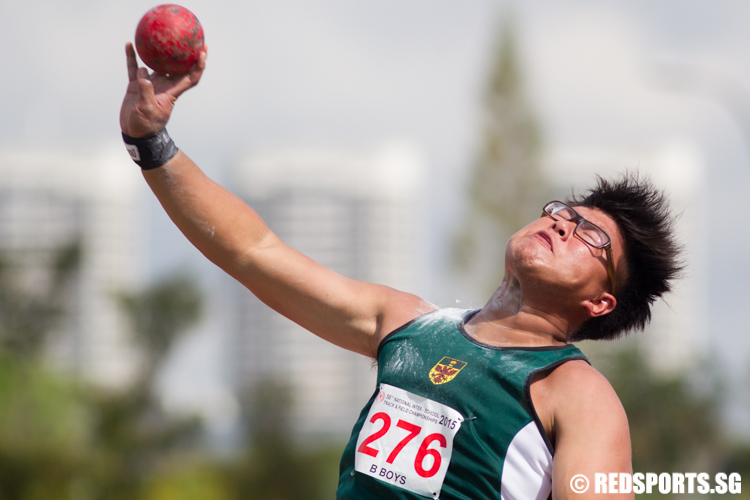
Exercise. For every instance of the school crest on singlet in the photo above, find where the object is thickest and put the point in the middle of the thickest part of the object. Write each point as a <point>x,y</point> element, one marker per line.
<point>446,370</point>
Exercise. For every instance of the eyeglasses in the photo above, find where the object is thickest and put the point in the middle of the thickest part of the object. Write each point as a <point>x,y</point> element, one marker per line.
<point>588,232</point>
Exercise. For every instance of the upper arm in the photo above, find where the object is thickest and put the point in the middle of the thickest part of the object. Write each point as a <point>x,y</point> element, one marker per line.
<point>349,313</point>
<point>590,428</point>
<point>353,314</point>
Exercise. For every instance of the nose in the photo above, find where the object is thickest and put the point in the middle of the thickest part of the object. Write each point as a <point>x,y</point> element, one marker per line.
<point>564,228</point>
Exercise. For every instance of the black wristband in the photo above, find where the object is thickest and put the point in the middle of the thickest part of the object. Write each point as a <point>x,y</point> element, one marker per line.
<point>151,151</point>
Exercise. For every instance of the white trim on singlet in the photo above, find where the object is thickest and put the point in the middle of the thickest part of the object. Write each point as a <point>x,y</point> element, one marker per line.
<point>527,469</point>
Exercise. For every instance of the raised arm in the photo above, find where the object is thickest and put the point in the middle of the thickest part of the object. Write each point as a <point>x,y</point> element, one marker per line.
<point>352,314</point>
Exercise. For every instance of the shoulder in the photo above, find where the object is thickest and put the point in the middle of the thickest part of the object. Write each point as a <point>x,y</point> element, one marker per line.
<point>400,308</point>
<point>575,396</point>
<point>576,386</point>
<point>578,379</point>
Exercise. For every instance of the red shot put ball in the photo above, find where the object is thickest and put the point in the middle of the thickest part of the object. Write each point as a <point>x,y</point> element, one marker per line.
<point>169,39</point>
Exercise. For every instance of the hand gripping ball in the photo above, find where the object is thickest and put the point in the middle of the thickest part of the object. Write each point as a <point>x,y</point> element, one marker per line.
<point>169,39</point>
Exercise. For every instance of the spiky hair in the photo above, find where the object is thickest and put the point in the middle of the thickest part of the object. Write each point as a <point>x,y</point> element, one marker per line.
<point>652,255</point>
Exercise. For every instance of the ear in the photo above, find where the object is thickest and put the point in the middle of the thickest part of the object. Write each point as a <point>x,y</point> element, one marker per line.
<point>601,305</point>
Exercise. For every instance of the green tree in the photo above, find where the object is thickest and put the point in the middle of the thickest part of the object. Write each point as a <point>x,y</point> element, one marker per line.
<point>675,420</point>
<point>133,434</point>
<point>274,467</point>
<point>44,438</point>
<point>63,438</point>
<point>33,297</point>
<point>506,188</point>
<point>159,315</point>
<point>43,433</point>
<point>674,426</point>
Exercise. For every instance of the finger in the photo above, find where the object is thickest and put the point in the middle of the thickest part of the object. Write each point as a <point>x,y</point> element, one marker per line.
<point>192,78</point>
<point>132,63</point>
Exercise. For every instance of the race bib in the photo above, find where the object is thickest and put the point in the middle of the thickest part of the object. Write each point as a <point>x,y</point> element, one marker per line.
<point>407,441</point>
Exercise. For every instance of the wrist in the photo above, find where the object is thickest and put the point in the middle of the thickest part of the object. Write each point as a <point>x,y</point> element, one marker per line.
<point>151,151</point>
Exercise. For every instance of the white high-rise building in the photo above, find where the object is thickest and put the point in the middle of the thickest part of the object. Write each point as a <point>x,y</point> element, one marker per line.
<point>356,213</point>
<point>50,198</point>
<point>677,334</point>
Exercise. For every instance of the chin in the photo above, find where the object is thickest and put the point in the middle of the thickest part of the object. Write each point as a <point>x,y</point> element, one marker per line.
<point>527,254</point>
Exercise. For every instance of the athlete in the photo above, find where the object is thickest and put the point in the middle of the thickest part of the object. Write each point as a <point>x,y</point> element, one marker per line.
<point>492,403</point>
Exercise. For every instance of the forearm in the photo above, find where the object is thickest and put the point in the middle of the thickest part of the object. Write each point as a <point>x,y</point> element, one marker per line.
<point>223,227</point>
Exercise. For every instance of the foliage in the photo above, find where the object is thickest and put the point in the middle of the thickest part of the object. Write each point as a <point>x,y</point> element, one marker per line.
<point>43,431</point>
<point>158,315</point>
<point>675,421</point>
<point>33,303</point>
<point>507,189</point>
<point>64,438</point>
<point>131,431</point>
<point>284,473</point>
<point>197,481</point>
<point>673,426</point>
<point>274,466</point>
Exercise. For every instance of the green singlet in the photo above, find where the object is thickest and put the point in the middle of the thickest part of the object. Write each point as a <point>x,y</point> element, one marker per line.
<point>451,418</point>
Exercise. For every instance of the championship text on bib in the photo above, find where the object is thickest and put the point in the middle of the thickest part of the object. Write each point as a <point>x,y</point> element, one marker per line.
<point>407,441</point>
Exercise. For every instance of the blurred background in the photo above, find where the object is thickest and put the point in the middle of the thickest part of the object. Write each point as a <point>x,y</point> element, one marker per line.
<point>396,142</point>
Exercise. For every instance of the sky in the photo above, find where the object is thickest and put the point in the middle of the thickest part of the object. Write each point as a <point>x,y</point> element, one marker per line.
<point>626,77</point>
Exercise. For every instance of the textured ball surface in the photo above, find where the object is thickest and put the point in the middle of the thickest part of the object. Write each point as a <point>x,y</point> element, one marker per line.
<point>169,39</point>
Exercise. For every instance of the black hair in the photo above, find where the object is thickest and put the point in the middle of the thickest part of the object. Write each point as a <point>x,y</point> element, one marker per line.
<point>651,253</point>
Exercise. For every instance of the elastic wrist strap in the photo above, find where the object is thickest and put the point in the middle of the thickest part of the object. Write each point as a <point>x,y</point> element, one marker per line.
<point>151,151</point>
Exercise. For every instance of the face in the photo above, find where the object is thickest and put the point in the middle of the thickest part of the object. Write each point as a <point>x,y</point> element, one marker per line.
<point>547,255</point>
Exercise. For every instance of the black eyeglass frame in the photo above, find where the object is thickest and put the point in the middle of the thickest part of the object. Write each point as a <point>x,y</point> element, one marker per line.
<point>579,220</point>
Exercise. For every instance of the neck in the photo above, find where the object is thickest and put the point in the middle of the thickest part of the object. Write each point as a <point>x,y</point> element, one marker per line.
<point>507,321</point>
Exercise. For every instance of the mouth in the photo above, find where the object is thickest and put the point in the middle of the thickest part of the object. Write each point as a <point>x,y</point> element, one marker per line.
<point>545,237</point>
